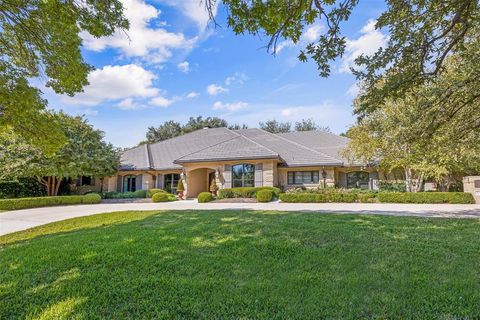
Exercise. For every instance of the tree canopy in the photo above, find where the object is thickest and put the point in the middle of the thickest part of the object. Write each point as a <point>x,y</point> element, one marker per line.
<point>422,34</point>
<point>418,134</point>
<point>84,154</point>
<point>41,39</point>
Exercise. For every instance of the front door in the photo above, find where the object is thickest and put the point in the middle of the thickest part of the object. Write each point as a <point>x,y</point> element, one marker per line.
<point>129,183</point>
<point>211,179</point>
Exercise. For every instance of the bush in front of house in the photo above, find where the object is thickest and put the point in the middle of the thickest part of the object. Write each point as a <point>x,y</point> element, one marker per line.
<point>426,197</point>
<point>125,195</point>
<point>246,192</point>
<point>264,195</point>
<point>22,188</point>
<point>151,192</point>
<point>35,202</point>
<point>318,197</point>
<point>205,197</point>
<point>388,186</point>
<point>163,197</point>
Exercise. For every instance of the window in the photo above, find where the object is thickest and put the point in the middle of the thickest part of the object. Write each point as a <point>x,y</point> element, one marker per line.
<point>85,181</point>
<point>243,175</point>
<point>129,183</point>
<point>302,177</point>
<point>358,179</point>
<point>170,182</point>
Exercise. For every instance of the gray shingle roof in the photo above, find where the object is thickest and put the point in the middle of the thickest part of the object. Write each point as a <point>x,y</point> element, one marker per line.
<point>325,142</point>
<point>313,148</point>
<point>236,148</point>
<point>292,153</point>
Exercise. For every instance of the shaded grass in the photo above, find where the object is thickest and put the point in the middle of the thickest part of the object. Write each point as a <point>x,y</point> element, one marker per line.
<point>242,264</point>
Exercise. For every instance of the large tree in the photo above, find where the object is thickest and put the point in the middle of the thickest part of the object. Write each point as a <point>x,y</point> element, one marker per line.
<point>309,125</point>
<point>41,39</point>
<point>422,33</point>
<point>418,134</point>
<point>273,126</point>
<point>84,154</point>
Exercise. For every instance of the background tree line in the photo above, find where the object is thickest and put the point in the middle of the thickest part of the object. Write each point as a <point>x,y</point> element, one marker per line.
<point>171,128</point>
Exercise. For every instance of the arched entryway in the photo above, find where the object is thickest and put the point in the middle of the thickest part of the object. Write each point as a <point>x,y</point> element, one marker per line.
<point>199,180</point>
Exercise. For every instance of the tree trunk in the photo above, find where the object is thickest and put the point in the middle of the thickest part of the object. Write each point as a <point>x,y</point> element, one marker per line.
<point>52,184</point>
<point>408,180</point>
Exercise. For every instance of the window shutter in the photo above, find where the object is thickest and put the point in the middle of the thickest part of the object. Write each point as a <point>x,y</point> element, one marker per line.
<point>138,182</point>
<point>227,176</point>
<point>119,183</point>
<point>259,175</point>
<point>342,179</point>
<point>160,181</point>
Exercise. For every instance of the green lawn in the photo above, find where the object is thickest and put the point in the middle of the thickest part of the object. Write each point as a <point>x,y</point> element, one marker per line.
<point>242,264</point>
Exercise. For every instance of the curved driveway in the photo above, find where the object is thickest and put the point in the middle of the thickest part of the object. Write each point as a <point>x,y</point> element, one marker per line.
<point>18,220</point>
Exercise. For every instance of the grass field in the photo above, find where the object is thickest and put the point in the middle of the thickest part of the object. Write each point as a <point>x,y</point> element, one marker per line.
<point>242,264</point>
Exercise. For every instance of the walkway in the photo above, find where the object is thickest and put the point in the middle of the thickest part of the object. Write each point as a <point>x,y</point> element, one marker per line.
<point>11,221</point>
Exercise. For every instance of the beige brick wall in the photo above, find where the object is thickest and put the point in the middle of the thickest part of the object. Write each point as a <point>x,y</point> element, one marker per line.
<point>469,186</point>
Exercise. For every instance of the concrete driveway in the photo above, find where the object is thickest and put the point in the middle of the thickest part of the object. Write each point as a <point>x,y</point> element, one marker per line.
<point>11,221</point>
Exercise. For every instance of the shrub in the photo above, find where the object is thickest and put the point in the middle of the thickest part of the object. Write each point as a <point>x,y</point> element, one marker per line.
<point>388,186</point>
<point>180,186</point>
<point>24,187</point>
<point>160,197</point>
<point>426,197</point>
<point>92,198</point>
<point>35,202</point>
<point>247,192</point>
<point>163,197</point>
<point>151,192</point>
<point>125,195</point>
<point>264,195</point>
<point>205,197</point>
<point>367,197</point>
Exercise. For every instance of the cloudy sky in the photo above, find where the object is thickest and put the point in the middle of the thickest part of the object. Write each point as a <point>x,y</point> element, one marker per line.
<point>173,64</point>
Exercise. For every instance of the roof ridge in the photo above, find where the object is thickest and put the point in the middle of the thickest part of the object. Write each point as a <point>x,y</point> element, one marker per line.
<point>300,145</point>
<point>186,134</point>
<point>213,145</point>
<point>257,143</point>
<point>149,156</point>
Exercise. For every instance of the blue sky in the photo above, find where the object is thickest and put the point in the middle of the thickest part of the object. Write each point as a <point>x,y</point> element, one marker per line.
<point>174,65</point>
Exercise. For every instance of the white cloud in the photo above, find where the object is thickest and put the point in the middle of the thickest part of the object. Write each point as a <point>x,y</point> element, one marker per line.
<point>128,104</point>
<point>312,34</point>
<point>152,44</point>
<point>193,9</point>
<point>353,90</point>
<point>192,94</point>
<point>184,66</point>
<point>214,89</point>
<point>236,78</point>
<point>368,43</point>
<point>112,83</point>
<point>161,101</point>
<point>288,112</point>
<point>234,106</point>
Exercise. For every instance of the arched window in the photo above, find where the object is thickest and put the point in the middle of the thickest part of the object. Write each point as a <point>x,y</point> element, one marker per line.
<point>129,183</point>
<point>357,179</point>
<point>243,175</point>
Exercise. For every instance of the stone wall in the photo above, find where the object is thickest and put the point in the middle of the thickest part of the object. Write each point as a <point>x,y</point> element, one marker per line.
<point>471,184</point>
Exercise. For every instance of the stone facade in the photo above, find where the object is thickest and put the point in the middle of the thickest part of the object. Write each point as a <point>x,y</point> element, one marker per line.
<point>471,184</point>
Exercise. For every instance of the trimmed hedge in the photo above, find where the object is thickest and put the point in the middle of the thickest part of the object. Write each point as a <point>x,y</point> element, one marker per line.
<point>386,197</point>
<point>264,195</point>
<point>151,192</point>
<point>318,197</point>
<point>248,192</point>
<point>426,197</point>
<point>125,195</point>
<point>204,197</point>
<point>163,197</point>
<point>35,202</point>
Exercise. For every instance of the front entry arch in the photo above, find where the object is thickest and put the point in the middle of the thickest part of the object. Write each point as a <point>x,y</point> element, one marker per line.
<point>199,180</point>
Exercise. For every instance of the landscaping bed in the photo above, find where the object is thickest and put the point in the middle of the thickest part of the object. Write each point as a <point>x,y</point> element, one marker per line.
<point>350,196</point>
<point>241,264</point>
<point>35,202</point>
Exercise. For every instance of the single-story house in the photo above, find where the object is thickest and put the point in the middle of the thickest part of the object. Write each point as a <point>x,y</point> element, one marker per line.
<point>240,158</point>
